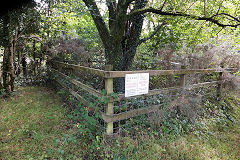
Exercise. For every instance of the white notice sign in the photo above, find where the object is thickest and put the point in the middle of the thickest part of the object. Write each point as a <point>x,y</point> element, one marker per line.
<point>136,84</point>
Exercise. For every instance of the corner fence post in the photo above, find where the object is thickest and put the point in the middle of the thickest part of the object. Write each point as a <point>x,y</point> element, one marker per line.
<point>109,107</point>
<point>183,78</point>
<point>219,85</point>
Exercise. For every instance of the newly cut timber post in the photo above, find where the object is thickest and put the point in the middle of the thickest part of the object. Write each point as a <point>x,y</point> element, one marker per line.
<point>109,107</point>
<point>183,78</point>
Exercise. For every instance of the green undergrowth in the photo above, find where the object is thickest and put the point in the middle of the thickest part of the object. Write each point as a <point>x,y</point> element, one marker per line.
<point>215,135</point>
<point>35,125</point>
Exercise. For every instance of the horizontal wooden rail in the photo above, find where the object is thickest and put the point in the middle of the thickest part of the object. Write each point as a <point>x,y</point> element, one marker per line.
<point>75,94</point>
<point>118,74</point>
<point>82,68</point>
<point>167,90</point>
<point>129,114</point>
<point>80,84</point>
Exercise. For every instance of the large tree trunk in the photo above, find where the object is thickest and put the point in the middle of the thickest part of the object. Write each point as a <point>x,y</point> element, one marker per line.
<point>5,75</point>
<point>115,58</point>
<point>125,39</point>
<point>8,56</point>
<point>130,42</point>
<point>11,65</point>
<point>13,44</point>
<point>8,70</point>
<point>6,53</point>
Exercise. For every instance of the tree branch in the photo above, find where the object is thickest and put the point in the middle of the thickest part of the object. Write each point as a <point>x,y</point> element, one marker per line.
<point>99,22</point>
<point>124,4</point>
<point>180,14</point>
<point>219,7</point>
<point>111,4</point>
<point>24,28</point>
<point>205,5</point>
<point>153,34</point>
<point>112,11</point>
<point>234,18</point>
<point>163,5</point>
<point>35,37</point>
<point>129,1</point>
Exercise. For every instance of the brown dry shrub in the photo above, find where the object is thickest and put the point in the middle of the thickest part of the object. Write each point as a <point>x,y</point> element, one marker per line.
<point>184,107</point>
<point>71,50</point>
<point>212,56</point>
<point>232,81</point>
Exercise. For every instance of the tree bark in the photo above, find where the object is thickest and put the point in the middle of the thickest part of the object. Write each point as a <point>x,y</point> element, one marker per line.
<point>121,38</point>
<point>13,44</point>
<point>6,53</point>
<point>129,44</point>
<point>8,56</point>
<point>8,68</point>
<point>132,35</point>
<point>5,75</point>
<point>24,66</point>
<point>11,67</point>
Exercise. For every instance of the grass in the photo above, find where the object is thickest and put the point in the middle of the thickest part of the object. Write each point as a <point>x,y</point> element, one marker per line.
<point>34,125</point>
<point>221,145</point>
<point>31,121</point>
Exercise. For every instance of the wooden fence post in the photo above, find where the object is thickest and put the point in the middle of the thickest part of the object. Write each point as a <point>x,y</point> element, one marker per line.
<point>219,86</point>
<point>183,78</point>
<point>109,107</point>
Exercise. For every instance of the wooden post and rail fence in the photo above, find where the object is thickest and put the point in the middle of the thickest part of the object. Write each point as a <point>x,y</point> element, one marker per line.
<point>109,117</point>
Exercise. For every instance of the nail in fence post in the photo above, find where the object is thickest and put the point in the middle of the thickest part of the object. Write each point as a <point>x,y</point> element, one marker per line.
<point>109,107</point>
